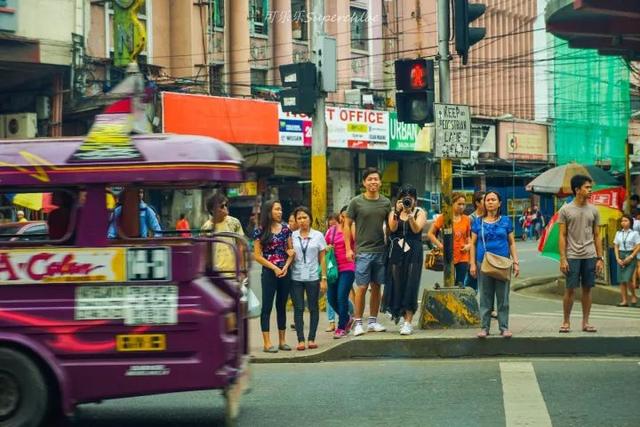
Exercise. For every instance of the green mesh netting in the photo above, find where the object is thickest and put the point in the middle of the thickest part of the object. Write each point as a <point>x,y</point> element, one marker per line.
<point>590,106</point>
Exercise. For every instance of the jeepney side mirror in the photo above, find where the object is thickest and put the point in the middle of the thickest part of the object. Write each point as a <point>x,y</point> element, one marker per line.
<point>129,220</point>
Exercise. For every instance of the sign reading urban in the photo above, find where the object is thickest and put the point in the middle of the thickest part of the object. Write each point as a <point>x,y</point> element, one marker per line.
<point>453,131</point>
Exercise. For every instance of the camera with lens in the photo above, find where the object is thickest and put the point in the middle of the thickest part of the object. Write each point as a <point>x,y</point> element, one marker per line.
<point>407,202</point>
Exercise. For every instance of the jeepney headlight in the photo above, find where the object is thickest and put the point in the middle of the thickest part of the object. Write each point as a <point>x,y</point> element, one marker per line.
<point>231,322</point>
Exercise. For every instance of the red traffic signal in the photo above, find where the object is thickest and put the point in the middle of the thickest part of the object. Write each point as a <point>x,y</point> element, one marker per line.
<point>414,75</point>
<point>414,90</point>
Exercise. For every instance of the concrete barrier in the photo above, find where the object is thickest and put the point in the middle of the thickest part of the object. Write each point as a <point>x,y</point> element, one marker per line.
<point>449,308</point>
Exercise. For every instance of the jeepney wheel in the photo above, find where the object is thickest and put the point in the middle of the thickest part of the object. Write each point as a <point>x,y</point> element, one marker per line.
<point>23,390</point>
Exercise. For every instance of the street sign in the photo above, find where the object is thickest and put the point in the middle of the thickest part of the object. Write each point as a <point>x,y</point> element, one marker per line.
<point>453,131</point>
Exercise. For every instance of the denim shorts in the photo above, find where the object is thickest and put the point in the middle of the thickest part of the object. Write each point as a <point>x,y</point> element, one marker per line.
<point>369,268</point>
<point>582,273</point>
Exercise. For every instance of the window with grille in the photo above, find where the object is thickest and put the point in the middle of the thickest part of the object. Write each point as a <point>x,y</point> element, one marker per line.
<point>258,10</point>
<point>359,28</point>
<point>299,23</point>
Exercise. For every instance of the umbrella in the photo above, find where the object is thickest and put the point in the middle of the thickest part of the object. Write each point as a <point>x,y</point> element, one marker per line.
<point>558,180</point>
<point>34,201</point>
<point>548,245</point>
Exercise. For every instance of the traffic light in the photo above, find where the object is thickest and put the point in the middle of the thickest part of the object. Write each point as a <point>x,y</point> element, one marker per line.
<point>301,82</point>
<point>466,36</point>
<point>414,90</point>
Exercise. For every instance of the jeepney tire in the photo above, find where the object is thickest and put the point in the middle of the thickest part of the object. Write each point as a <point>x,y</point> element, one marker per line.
<point>33,393</point>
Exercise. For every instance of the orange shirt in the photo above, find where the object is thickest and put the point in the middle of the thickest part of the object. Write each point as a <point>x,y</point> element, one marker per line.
<point>183,225</point>
<point>461,232</point>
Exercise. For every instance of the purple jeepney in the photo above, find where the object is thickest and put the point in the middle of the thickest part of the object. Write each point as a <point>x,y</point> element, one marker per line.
<point>88,313</point>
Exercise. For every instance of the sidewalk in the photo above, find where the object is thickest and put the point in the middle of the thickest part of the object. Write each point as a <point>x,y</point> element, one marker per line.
<point>533,321</point>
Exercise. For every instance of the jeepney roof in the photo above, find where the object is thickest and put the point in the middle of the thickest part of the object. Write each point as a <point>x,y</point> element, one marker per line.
<point>161,158</point>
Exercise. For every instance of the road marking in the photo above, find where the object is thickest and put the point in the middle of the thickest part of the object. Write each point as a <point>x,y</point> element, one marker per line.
<point>523,401</point>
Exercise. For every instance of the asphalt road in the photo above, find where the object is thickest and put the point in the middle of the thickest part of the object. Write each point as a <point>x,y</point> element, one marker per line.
<point>488,392</point>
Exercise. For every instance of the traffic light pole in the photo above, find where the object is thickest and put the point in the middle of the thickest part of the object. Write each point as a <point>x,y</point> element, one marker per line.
<point>319,133</point>
<point>446,165</point>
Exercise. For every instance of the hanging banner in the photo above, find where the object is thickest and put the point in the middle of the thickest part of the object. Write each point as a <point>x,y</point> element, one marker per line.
<point>356,128</point>
<point>610,197</point>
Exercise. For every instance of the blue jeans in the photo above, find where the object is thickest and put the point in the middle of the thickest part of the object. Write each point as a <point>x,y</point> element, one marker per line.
<point>471,282</point>
<point>331,313</point>
<point>338,297</point>
<point>490,288</point>
<point>461,270</point>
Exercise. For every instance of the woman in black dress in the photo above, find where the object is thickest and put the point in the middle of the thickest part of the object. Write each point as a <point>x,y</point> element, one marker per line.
<point>404,266</point>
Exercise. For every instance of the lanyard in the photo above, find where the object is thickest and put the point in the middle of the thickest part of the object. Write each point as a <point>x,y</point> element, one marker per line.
<point>304,248</point>
<point>624,239</point>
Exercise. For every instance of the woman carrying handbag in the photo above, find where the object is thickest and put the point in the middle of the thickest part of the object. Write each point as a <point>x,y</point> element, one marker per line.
<point>493,259</point>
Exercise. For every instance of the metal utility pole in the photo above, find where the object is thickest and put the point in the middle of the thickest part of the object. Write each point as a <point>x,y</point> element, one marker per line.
<point>319,134</point>
<point>446,165</point>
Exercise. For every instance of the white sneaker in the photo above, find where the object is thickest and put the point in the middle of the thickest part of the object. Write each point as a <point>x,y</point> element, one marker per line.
<point>375,327</point>
<point>406,329</point>
<point>358,330</point>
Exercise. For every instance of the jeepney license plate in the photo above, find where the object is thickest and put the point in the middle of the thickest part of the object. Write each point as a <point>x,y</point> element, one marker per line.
<point>141,342</point>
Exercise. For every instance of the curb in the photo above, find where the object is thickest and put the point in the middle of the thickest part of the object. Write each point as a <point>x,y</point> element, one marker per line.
<point>428,348</point>
<point>535,281</point>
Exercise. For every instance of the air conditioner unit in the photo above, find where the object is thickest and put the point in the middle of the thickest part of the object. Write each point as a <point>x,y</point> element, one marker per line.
<point>2,134</point>
<point>21,125</point>
<point>352,97</point>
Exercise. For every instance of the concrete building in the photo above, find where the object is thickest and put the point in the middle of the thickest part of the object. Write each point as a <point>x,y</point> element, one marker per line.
<point>35,63</point>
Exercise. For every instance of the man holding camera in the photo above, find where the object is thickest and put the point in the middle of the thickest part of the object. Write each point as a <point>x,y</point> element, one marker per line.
<point>369,211</point>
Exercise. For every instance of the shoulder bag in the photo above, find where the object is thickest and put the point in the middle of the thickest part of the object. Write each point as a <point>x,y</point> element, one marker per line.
<point>495,266</point>
<point>331,261</point>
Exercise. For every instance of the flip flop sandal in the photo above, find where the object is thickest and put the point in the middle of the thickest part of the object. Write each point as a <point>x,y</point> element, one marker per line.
<point>284,347</point>
<point>564,330</point>
<point>482,334</point>
<point>589,328</point>
<point>301,347</point>
<point>271,349</point>
<point>622,305</point>
<point>313,346</point>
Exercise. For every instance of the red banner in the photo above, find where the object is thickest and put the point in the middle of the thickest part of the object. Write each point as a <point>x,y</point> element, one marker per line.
<point>610,197</point>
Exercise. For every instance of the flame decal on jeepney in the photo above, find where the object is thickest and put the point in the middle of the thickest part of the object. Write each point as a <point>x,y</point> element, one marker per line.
<point>37,171</point>
<point>65,333</point>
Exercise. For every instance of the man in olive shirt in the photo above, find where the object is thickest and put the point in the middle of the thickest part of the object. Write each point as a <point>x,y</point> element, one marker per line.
<point>580,250</point>
<point>369,211</point>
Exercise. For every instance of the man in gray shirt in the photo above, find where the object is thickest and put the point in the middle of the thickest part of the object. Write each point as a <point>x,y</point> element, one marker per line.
<point>369,211</point>
<point>580,250</point>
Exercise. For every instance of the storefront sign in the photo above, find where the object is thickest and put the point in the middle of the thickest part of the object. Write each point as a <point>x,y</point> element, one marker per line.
<point>286,164</point>
<point>294,129</point>
<point>404,136</point>
<point>453,131</point>
<point>356,128</point>
<point>19,266</point>
<point>523,141</point>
